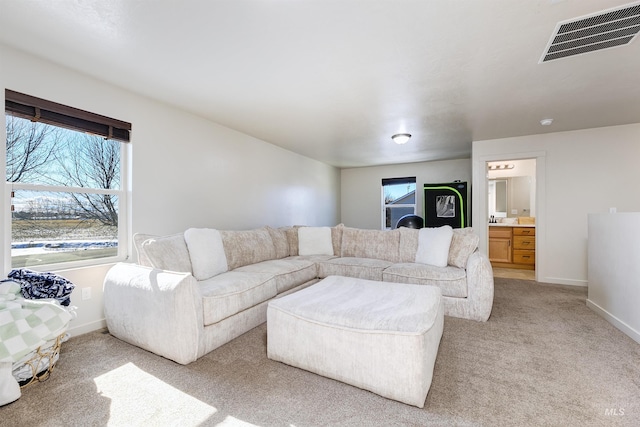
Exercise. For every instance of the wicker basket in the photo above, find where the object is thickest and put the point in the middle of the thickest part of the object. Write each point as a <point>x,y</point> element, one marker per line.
<point>43,360</point>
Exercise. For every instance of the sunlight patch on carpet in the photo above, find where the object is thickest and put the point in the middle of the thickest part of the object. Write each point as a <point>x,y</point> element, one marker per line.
<point>138,398</point>
<point>230,421</point>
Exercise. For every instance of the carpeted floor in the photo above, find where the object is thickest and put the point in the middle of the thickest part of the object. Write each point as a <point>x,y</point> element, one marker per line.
<point>543,358</point>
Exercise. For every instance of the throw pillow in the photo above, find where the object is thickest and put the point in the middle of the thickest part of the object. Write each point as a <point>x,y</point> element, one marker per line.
<point>463,244</point>
<point>206,252</point>
<point>433,245</point>
<point>315,241</point>
<point>163,252</point>
<point>138,240</point>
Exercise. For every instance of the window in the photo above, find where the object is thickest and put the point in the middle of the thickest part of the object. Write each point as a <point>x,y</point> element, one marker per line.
<point>65,170</point>
<point>398,200</point>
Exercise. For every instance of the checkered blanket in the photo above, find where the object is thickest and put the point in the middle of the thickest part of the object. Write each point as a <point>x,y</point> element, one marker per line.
<point>27,324</point>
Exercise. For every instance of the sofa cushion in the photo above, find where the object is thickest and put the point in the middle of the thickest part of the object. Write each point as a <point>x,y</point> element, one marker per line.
<point>232,292</point>
<point>206,252</point>
<point>452,281</point>
<point>314,258</point>
<point>288,272</point>
<point>314,241</point>
<point>362,268</point>
<point>247,247</point>
<point>408,244</point>
<point>376,244</point>
<point>433,245</point>
<point>163,252</point>
<point>280,242</point>
<point>463,243</point>
<point>292,239</point>
<point>336,239</point>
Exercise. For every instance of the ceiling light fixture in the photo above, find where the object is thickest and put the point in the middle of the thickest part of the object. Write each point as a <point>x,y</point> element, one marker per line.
<point>501,166</point>
<point>546,122</point>
<point>401,138</point>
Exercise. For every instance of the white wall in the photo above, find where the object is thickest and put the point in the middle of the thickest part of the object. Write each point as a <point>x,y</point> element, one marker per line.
<point>186,171</point>
<point>361,187</point>
<point>578,172</point>
<point>614,271</point>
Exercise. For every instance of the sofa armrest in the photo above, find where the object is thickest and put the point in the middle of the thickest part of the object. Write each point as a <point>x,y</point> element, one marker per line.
<point>157,310</point>
<point>479,286</point>
<point>479,301</point>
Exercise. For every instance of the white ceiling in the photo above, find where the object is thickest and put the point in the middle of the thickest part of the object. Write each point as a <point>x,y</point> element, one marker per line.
<point>334,79</point>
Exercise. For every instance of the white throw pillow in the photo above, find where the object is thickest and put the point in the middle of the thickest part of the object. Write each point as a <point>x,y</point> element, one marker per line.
<point>315,241</point>
<point>433,245</point>
<point>206,252</point>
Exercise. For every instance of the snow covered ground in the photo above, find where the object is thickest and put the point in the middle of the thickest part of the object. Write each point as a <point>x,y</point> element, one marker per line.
<point>34,248</point>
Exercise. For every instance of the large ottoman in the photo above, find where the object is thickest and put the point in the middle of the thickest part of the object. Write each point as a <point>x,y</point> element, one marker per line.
<point>379,336</point>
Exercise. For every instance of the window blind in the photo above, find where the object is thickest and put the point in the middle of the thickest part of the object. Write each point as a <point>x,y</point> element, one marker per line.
<point>394,181</point>
<point>40,110</point>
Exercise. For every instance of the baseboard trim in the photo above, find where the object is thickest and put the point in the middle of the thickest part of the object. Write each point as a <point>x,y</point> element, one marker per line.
<point>560,281</point>
<point>87,327</point>
<point>621,325</point>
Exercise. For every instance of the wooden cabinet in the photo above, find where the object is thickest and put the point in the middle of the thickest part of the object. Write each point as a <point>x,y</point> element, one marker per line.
<point>524,246</point>
<point>500,244</point>
<point>512,247</point>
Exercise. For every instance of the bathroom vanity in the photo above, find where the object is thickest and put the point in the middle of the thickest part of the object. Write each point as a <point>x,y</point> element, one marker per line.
<point>512,245</point>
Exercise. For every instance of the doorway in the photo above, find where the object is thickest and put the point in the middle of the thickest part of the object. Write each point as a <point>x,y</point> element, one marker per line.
<point>511,212</point>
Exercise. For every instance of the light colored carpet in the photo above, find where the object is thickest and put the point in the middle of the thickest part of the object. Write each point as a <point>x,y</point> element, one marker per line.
<point>543,358</point>
<point>514,273</point>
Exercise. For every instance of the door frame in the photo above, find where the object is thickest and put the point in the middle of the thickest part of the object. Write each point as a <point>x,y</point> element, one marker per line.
<point>480,215</point>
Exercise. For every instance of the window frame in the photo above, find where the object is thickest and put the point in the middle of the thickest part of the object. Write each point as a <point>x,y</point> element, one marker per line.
<point>396,181</point>
<point>101,126</point>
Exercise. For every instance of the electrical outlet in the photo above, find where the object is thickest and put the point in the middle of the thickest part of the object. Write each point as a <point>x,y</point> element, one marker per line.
<point>86,294</point>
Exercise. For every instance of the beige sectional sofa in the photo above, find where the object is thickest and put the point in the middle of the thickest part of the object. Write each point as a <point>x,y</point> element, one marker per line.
<point>192,292</point>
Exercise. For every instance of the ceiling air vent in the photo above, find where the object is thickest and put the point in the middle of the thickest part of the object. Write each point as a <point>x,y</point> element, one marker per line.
<point>610,28</point>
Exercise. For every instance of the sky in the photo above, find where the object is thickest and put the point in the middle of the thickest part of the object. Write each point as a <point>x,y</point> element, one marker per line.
<point>399,190</point>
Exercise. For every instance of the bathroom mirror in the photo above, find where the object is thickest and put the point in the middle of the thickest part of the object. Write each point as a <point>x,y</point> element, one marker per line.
<point>498,198</point>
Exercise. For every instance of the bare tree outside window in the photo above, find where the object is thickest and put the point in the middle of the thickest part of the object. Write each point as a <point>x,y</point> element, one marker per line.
<point>55,225</point>
<point>30,147</point>
<point>90,161</point>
